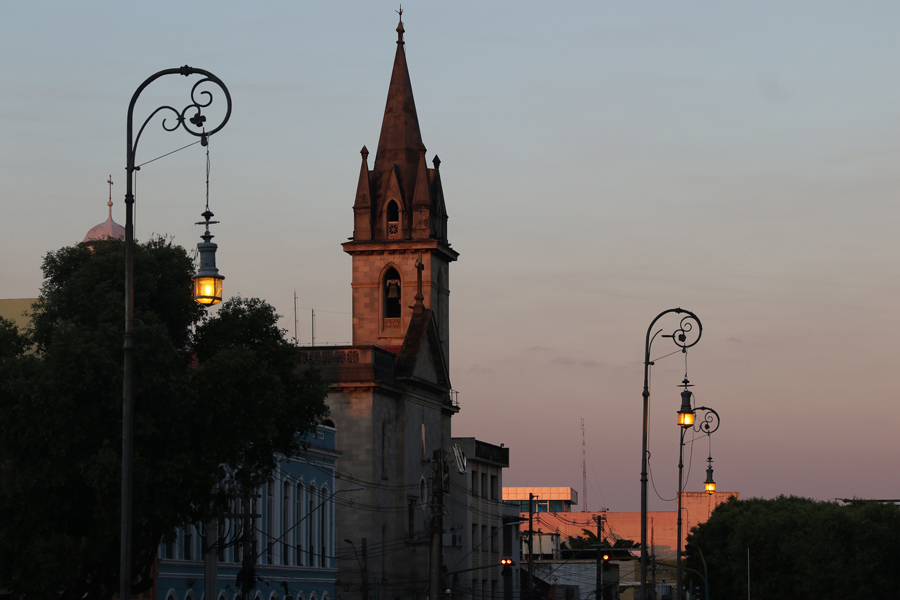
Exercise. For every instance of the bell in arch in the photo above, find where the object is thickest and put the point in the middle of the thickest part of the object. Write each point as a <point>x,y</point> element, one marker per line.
<point>393,290</point>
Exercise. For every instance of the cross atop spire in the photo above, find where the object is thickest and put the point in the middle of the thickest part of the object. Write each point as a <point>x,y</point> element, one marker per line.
<point>400,29</point>
<point>109,204</point>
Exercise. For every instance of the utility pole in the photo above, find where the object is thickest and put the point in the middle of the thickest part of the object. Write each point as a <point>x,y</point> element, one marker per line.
<point>435,581</point>
<point>599,593</point>
<point>530,545</point>
<point>365,570</point>
<point>210,559</point>
<point>248,564</point>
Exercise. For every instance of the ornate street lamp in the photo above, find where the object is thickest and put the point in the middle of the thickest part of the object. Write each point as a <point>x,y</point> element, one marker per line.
<point>207,283</point>
<point>192,120</point>
<point>709,485</point>
<point>682,338</point>
<point>686,412</point>
<point>708,424</point>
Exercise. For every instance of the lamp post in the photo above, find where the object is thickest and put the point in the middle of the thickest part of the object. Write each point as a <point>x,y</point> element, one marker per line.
<point>191,119</point>
<point>708,424</point>
<point>680,337</point>
<point>363,569</point>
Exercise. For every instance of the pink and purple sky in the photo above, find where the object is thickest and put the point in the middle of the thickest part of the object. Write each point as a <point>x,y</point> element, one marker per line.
<point>602,162</point>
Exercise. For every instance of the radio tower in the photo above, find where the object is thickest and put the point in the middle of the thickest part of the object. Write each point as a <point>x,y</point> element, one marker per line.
<point>583,469</point>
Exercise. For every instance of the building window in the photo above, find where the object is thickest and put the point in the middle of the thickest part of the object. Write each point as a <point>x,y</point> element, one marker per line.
<point>494,487</point>
<point>270,521</point>
<point>238,510</point>
<point>187,551</point>
<point>298,519</point>
<point>384,450</point>
<point>484,485</point>
<point>323,526</point>
<point>285,524</point>
<point>393,220</point>
<point>474,482</point>
<point>220,540</point>
<point>310,533</point>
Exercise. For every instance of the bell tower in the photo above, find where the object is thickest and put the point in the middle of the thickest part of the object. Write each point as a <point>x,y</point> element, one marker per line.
<point>399,218</point>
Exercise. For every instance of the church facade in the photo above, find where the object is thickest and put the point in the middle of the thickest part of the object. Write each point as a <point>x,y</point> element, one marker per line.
<point>391,400</point>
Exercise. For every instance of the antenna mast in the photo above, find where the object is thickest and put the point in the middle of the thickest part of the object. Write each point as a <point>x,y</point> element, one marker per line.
<point>583,469</point>
<point>296,331</point>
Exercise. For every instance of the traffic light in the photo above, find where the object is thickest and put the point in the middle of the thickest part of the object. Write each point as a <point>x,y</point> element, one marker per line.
<point>605,559</point>
<point>507,564</point>
<point>689,551</point>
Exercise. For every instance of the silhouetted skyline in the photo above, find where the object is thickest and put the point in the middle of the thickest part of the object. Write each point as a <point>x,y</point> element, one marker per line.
<point>601,163</point>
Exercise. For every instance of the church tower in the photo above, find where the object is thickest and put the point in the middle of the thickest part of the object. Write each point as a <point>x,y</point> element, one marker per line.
<point>399,218</point>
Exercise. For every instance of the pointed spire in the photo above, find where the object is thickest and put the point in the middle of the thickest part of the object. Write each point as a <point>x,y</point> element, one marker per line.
<point>362,207</point>
<point>400,137</point>
<point>422,203</point>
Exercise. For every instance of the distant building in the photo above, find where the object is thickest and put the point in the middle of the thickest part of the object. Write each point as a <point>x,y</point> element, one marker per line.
<point>294,541</point>
<point>546,499</point>
<point>481,529</point>
<point>661,525</point>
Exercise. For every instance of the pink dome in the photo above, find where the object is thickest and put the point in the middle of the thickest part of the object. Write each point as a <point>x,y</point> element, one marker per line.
<point>108,229</point>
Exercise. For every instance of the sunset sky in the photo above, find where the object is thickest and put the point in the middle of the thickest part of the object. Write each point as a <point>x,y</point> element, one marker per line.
<point>601,162</point>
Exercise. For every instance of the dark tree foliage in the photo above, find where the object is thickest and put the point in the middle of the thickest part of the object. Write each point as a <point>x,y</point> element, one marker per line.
<point>209,391</point>
<point>800,548</point>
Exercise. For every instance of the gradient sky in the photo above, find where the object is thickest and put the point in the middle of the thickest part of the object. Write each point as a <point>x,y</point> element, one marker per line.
<point>601,162</point>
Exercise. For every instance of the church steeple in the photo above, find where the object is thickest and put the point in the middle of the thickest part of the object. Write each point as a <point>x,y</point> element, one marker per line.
<point>400,138</point>
<point>399,216</point>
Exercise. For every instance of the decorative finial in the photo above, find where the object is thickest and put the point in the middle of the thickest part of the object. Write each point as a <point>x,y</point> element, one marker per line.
<point>109,203</point>
<point>364,152</point>
<point>419,306</point>
<point>400,29</point>
<point>436,162</point>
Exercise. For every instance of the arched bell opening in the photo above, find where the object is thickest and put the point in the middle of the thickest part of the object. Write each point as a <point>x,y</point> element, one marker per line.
<point>390,301</point>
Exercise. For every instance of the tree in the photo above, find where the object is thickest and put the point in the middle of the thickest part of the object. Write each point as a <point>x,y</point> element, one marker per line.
<point>800,548</point>
<point>210,390</point>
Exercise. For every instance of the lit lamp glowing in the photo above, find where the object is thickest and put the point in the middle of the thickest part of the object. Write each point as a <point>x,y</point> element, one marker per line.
<point>686,412</point>
<point>207,282</point>
<point>710,485</point>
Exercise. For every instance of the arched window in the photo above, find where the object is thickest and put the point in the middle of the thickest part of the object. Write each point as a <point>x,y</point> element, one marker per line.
<point>329,423</point>
<point>220,543</point>
<point>310,527</point>
<point>171,595</point>
<point>323,526</point>
<point>390,300</point>
<point>286,524</point>
<point>393,220</point>
<point>384,450</point>
<point>238,510</point>
<point>188,546</point>
<point>298,530</point>
<point>270,521</point>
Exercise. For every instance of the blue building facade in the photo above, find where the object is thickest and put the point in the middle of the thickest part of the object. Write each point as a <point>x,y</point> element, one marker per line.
<point>294,537</point>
